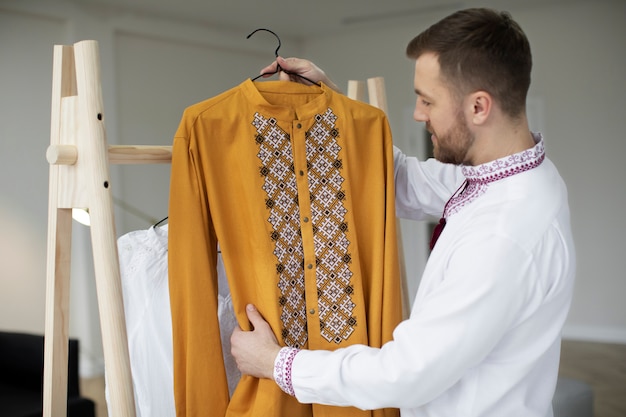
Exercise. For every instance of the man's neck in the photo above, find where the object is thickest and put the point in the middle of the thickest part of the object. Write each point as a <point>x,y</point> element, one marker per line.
<point>502,141</point>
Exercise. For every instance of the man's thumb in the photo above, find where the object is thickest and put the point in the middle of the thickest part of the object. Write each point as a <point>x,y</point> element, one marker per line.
<point>253,315</point>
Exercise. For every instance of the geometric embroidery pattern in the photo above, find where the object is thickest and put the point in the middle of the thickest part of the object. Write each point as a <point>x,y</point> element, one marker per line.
<point>481,176</point>
<point>276,156</point>
<point>331,245</point>
<point>332,256</point>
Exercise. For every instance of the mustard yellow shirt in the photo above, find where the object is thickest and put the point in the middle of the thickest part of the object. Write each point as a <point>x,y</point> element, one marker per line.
<point>296,183</point>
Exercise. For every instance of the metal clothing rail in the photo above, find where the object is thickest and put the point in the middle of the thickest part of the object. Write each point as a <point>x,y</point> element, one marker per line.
<point>79,158</point>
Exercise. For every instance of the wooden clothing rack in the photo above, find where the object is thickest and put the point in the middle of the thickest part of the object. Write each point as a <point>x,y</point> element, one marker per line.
<point>79,158</point>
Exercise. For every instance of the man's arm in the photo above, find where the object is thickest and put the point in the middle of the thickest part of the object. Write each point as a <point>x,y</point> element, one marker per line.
<point>423,187</point>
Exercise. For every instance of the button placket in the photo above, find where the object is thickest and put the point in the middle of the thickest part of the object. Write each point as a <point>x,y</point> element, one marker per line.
<point>306,225</point>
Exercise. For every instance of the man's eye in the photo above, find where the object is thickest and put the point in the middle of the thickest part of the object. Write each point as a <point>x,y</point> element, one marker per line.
<point>425,103</point>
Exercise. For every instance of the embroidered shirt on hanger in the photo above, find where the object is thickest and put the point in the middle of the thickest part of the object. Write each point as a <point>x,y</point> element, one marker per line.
<point>296,183</point>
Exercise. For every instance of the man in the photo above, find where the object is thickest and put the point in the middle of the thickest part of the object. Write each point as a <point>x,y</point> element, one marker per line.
<point>483,338</point>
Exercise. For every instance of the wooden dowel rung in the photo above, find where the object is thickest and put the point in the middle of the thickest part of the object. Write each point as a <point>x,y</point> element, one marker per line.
<point>118,154</point>
<point>62,154</point>
<point>140,154</point>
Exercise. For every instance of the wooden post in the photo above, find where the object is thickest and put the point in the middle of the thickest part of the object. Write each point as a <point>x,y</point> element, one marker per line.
<point>356,90</point>
<point>56,343</point>
<point>79,178</point>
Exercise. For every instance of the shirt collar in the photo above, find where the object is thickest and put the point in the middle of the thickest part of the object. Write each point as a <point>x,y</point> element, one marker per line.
<point>276,98</point>
<point>507,166</point>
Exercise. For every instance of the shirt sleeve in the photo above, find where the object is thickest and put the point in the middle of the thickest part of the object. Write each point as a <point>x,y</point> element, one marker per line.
<point>423,187</point>
<point>200,383</point>
<point>282,369</point>
<point>452,330</point>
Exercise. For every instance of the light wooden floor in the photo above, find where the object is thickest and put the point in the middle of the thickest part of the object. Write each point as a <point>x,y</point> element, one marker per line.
<point>603,366</point>
<point>94,388</point>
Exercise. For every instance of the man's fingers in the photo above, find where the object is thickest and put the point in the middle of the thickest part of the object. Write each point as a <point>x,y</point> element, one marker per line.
<point>270,69</point>
<point>273,68</point>
<point>254,316</point>
<point>284,63</point>
<point>296,65</point>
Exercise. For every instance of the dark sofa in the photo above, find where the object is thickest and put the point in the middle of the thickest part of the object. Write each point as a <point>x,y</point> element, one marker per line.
<point>21,377</point>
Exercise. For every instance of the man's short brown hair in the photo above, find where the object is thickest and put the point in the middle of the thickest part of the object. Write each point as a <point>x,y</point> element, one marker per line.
<point>480,49</point>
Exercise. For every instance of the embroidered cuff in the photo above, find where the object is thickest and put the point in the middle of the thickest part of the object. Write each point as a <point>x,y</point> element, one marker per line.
<point>282,369</point>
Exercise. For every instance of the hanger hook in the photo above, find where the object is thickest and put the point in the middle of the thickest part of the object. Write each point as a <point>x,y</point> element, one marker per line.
<point>267,30</point>
<point>278,68</point>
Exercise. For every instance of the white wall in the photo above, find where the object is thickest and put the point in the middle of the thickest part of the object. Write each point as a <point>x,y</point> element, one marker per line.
<point>152,70</point>
<point>581,77</point>
<point>576,99</point>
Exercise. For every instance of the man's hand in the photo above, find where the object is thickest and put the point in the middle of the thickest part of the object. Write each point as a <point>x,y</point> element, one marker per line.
<point>255,351</point>
<point>301,67</point>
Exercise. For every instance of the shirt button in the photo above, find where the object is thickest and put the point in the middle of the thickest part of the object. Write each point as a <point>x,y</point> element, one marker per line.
<point>299,125</point>
<point>312,311</point>
<point>306,219</point>
<point>301,172</point>
<point>310,266</point>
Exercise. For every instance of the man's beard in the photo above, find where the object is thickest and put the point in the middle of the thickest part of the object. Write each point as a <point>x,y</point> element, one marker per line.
<point>452,147</point>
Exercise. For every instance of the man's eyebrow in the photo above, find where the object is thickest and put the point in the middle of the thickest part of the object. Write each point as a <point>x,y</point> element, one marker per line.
<point>420,93</point>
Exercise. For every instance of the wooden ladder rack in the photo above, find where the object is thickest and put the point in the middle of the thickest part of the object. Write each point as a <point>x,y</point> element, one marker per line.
<point>79,158</point>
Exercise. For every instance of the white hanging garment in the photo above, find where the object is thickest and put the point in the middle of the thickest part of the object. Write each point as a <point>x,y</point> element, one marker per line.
<point>144,276</point>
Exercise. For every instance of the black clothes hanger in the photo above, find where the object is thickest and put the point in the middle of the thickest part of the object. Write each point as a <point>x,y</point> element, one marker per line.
<point>163,220</point>
<point>278,68</point>
<point>160,222</point>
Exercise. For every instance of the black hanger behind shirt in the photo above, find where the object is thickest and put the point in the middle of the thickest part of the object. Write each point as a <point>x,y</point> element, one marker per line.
<point>160,222</point>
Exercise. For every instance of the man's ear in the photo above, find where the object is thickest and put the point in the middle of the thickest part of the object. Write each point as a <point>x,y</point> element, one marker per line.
<point>479,105</point>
